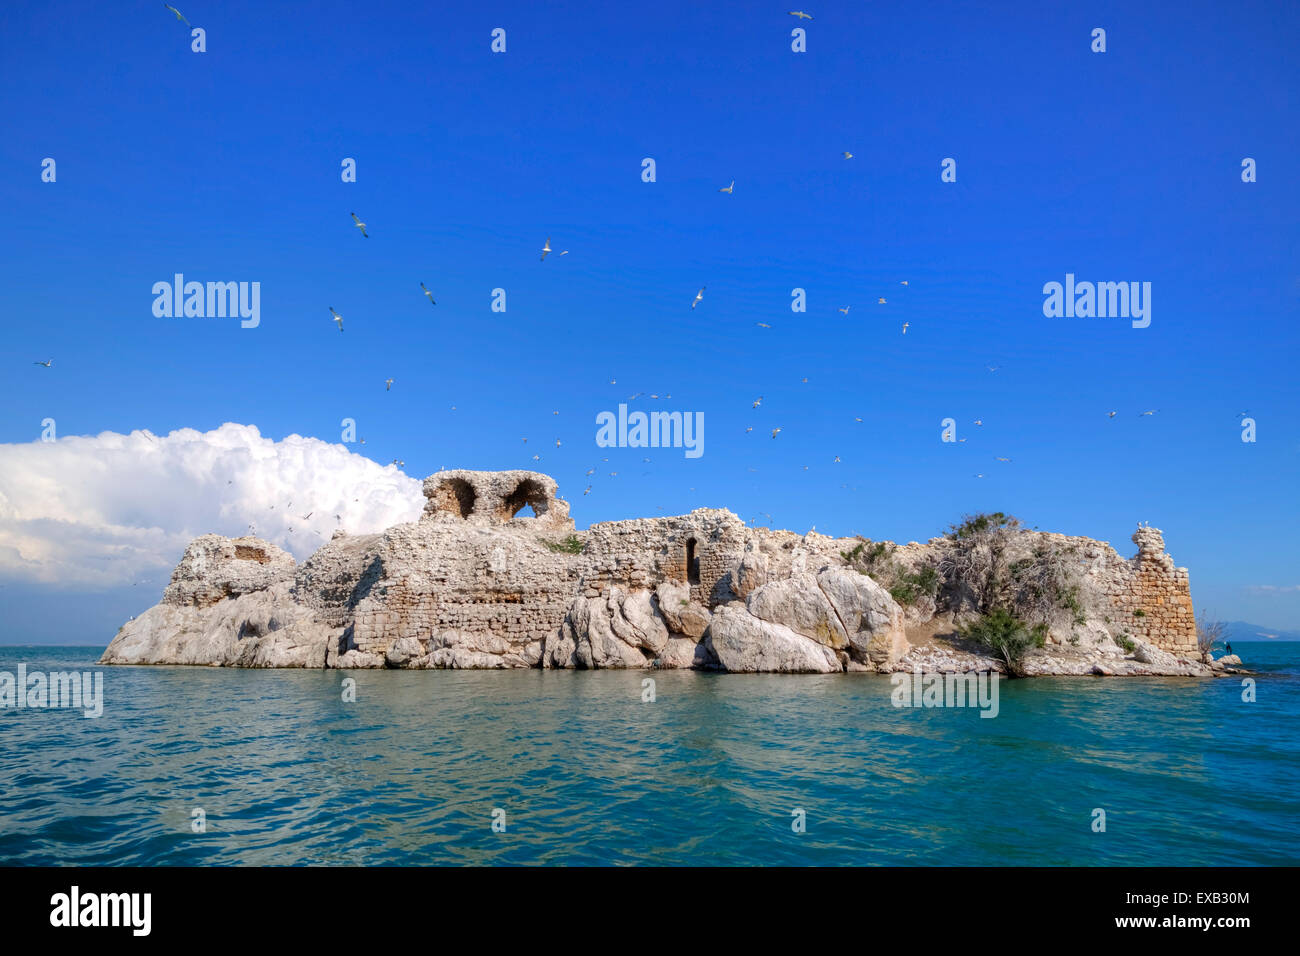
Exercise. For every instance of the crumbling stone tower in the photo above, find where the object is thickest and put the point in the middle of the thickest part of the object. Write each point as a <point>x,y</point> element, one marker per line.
<point>1156,606</point>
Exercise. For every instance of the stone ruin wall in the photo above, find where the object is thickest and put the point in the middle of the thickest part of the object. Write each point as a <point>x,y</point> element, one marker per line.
<point>1145,597</point>
<point>641,553</point>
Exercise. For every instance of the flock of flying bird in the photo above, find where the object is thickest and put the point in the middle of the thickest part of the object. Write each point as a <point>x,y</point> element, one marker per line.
<point>729,189</point>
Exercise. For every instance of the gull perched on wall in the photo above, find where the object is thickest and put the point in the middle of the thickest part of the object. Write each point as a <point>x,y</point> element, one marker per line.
<point>360,225</point>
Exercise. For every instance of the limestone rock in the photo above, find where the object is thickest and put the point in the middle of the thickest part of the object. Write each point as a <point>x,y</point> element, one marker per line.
<point>743,643</point>
<point>476,583</point>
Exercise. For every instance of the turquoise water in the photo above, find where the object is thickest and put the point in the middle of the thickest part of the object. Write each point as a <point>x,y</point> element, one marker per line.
<point>288,773</point>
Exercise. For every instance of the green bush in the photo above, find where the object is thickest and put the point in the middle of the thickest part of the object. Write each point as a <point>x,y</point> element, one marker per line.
<point>877,560</point>
<point>1007,637</point>
<point>570,545</point>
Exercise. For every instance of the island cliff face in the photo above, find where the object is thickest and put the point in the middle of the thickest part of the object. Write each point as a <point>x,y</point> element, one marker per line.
<point>474,585</point>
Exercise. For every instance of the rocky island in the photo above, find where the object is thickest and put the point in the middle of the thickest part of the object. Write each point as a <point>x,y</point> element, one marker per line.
<point>475,584</point>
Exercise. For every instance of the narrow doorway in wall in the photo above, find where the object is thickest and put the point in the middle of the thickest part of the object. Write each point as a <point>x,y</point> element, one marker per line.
<point>692,563</point>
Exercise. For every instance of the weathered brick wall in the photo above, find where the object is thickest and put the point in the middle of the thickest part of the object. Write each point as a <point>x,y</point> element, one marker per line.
<point>645,551</point>
<point>1155,603</point>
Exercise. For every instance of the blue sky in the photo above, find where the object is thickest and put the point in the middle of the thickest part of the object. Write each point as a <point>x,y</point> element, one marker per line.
<point>1122,166</point>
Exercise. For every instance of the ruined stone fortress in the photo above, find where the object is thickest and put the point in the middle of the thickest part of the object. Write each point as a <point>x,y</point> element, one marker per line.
<point>475,584</point>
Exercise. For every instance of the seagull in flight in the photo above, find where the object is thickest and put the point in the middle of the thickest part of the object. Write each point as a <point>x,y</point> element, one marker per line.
<point>45,364</point>
<point>588,491</point>
<point>1003,459</point>
<point>993,368</point>
<point>1152,412</point>
<point>307,515</point>
<point>904,282</point>
<point>388,385</point>
<point>337,318</point>
<point>905,328</point>
<point>848,155</point>
<point>845,310</point>
<point>774,432</point>
<point>179,15</point>
<point>728,189</point>
<point>428,293</point>
<point>360,225</point>
<point>880,301</point>
<point>699,296</point>
<point>757,402</point>
<point>979,421</point>
<point>546,248</point>
<point>762,325</point>
<point>801,15</point>
<point>1111,414</point>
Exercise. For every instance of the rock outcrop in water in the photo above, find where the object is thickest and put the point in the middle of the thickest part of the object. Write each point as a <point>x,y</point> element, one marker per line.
<point>473,584</point>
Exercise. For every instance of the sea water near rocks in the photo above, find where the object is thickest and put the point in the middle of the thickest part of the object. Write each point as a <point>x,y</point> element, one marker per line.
<point>287,772</point>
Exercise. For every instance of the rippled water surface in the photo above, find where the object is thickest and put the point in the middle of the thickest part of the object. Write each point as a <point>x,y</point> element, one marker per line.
<point>709,773</point>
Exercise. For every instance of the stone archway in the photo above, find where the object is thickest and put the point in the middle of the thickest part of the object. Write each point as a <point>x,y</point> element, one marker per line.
<point>528,493</point>
<point>457,496</point>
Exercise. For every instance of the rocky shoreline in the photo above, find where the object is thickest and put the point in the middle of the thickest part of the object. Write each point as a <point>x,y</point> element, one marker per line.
<point>474,584</point>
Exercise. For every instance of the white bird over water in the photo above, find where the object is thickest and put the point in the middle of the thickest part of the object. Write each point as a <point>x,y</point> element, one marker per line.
<point>728,189</point>
<point>698,297</point>
<point>179,15</point>
<point>45,364</point>
<point>337,318</point>
<point>801,15</point>
<point>428,293</point>
<point>360,225</point>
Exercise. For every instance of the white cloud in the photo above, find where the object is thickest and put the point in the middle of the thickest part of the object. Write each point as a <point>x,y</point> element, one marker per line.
<point>110,510</point>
